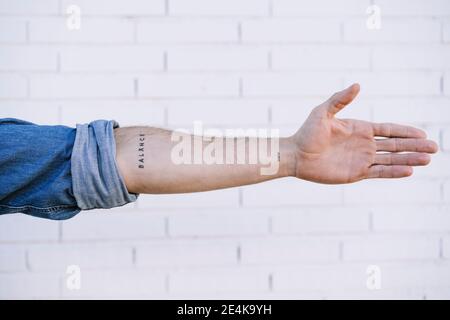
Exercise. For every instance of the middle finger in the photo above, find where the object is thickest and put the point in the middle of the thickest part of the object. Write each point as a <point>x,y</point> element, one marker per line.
<point>403,145</point>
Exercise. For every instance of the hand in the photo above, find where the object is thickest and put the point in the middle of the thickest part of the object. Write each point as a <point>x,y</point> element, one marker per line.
<point>331,150</point>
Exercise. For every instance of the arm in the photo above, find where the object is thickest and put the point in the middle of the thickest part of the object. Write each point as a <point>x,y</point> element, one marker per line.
<point>325,150</point>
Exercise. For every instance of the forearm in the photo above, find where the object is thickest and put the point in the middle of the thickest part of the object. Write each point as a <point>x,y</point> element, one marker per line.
<point>154,160</point>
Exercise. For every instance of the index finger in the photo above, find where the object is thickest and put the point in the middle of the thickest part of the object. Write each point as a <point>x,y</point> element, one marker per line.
<point>392,130</point>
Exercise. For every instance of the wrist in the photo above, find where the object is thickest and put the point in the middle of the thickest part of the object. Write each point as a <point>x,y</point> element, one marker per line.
<point>288,161</point>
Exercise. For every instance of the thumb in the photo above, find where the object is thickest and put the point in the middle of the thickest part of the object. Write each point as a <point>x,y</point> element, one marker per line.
<point>340,99</point>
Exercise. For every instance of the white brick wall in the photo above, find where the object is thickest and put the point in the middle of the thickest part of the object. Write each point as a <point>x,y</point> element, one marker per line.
<point>394,31</point>
<point>29,7</point>
<point>219,8</point>
<point>93,31</point>
<point>234,63</point>
<point>276,30</point>
<point>181,30</point>
<point>13,86</point>
<point>101,59</point>
<point>118,7</point>
<point>17,30</point>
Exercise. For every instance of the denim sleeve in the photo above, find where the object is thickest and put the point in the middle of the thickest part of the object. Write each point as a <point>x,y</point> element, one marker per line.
<point>97,182</point>
<point>35,177</point>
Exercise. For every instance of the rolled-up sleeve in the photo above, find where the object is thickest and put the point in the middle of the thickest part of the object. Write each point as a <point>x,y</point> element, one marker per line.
<point>97,182</point>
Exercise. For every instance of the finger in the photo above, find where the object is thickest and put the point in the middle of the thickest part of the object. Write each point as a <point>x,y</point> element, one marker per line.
<point>397,131</point>
<point>342,98</point>
<point>405,159</point>
<point>382,171</point>
<point>405,145</point>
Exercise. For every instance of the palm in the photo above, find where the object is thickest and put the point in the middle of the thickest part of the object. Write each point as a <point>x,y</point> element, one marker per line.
<point>331,150</point>
<point>341,150</point>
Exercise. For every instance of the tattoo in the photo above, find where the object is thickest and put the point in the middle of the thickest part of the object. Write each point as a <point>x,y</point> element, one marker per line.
<point>141,153</point>
<point>279,156</point>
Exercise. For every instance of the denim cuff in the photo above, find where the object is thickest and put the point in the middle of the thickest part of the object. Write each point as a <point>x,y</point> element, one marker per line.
<point>96,180</point>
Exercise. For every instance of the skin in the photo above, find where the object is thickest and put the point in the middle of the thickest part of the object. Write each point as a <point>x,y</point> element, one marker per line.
<point>324,150</point>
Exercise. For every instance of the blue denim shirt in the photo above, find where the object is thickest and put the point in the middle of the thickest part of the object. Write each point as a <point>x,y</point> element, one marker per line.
<point>54,172</point>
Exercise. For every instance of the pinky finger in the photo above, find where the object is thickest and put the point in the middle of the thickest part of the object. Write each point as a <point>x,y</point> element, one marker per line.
<point>389,172</point>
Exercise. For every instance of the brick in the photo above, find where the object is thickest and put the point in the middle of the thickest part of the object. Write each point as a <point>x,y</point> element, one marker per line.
<point>217,223</point>
<point>81,86</point>
<point>409,58</point>
<point>29,286</point>
<point>124,283</point>
<point>438,167</point>
<point>289,85</point>
<point>447,192</point>
<point>14,30</point>
<point>12,258</point>
<point>446,140</point>
<point>102,59</point>
<point>19,227</point>
<point>184,86</point>
<point>319,278</point>
<point>447,85</point>
<point>411,110</point>
<point>414,7</point>
<point>48,112</point>
<point>446,32</point>
<point>18,7</point>
<point>393,30</point>
<point>437,293</point>
<point>420,275</point>
<point>383,294</point>
<point>217,59</point>
<point>286,130</point>
<point>360,108</point>
<point>295,112</point>
<point>186,254</point>
<point>104,225</point>
<point>291,31</point>
<point>13,86</point>
<point>54,30</point>
<point>219,198</point>
<point>446,247</point>
<point>229,113</point>
<point>397,83</point>
<point>408,190</point>
<point>219,8</point>
<point>218,281</point>
<point>288,250</point>
<point>354,277</point>
<point>320,220</point>
<point>433,131</point>
<point>325,58</point>
<point>411,218</point>
<point>384,248</point>
<point>29,58</point>
<point>174,31</point>
<point>117,7</point>
<point>248,295</point>
<point>290,192</point>
<point>58,257</point>
<point>137,112</point>
<point>319,8</point>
